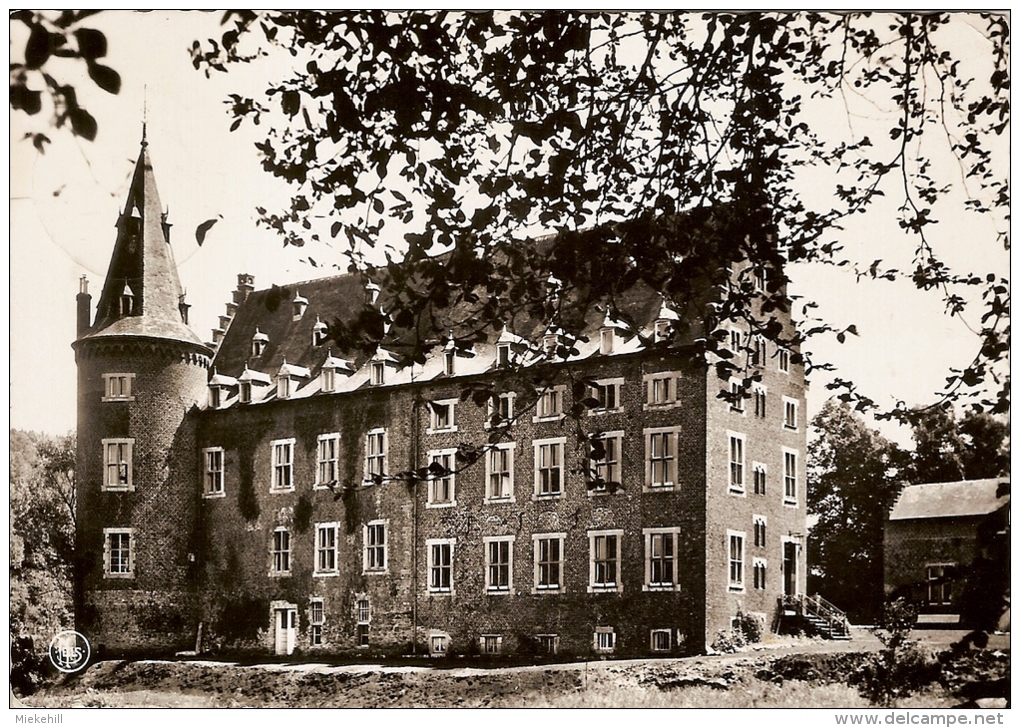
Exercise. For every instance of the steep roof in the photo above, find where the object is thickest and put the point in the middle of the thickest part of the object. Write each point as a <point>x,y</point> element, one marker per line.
<point>142,266</point>
<point>948,500</point>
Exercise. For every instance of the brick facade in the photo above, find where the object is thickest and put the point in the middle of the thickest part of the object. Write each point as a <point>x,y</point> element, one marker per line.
<point>232,534</point>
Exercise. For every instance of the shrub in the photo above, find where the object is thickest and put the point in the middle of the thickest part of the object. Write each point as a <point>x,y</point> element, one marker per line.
<point>900,668</point>
<point>728,640</point>
<point>750,627</point>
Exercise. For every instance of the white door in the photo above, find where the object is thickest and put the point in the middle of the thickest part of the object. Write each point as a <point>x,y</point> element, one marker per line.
<point>286,631</point>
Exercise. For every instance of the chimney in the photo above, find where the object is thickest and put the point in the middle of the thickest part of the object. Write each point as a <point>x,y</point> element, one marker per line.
<point>84,306</point>
<point>245,285</point>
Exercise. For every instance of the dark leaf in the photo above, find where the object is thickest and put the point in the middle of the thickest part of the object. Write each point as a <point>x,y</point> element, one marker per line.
<point>201,230</point>
<point>82,123</point>
<point>38,48</point>
<point>91,43</point>
<point>105,77</point>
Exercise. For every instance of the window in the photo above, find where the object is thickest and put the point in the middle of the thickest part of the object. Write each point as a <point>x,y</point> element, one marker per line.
<point>258,345</point>
<point>550,404</point>
<point>327,379</point>
<point>758,567</point>
<point>449,363</point>
<point>442,464</point>
<point>499,559</point>
<point>440,566</point>
<point>316,618</point>
<point>548,561</point>
<point>736,559</point>
<point>375,455</point>
<point>441,416</point>
<point>606,341</point>
<point>377,373</point>
<point>244,392</point>
<point>736,396</point>
<point>549,467</point>
<point>281,552</point>
<point>119,554</point>
<point>118,461</point>
<point>607,393</point>
<point>735,345</point>
<point>662,330</point>
<point>604,639</point>
<point>661,559</point>
<point>117,387</point>
<point>759,400</point>
<point>661,640</point>
<point>550,342</point>
<point>283,465</point>
<point>499,474</point>
<point>784,360</point>
<point>500,410</point>
<point>215,397</point>
<point>213,457</point>
<point>329,452</point>
<point>789,476</point>
<point>604,561</point>
<point>759,478</point>
<point>758,351</point>
<point>759,280</point>
<point>490,644</point>
<point>364,614</point>
<point>439,643</point>
<point>283,387</point>
<point>661,389</point>
<point>736,462</point>
<point>326,557</point>
<point>789,413</point>
<point>319,334</point>
<point>605,469</point>
<point>940,587</point>
<point>503,356</point>
<point>374,557</point>
<point>759,531</point>
<point>548,644</point>
<point>660,457</point>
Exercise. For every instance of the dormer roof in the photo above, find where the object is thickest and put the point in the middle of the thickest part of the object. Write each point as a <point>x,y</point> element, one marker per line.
<point>250,375</point>
<point>293,370</point>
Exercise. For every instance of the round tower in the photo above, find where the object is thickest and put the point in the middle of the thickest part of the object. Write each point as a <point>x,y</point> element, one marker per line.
<point>141,372</point>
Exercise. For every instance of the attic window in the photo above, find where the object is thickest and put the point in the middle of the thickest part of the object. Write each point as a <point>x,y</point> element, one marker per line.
<point>327,379</point>
<point>258,343</point>
<point>759,279</point>
<point>215,397</point>
<point>449,363</point>
<point>283,387</point>
<point>299,306</point>
<point>606,341</point>
<point>661,330</point>
<point>126,302</point>
<point>503,356</point>
<point>549,343</point>
<point>378,373</point>
<point>318,333</point>
<point>244,393</point>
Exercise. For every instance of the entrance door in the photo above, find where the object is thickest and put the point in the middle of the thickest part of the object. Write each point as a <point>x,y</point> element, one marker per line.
<point>789,568</point>
<point>286,630</point>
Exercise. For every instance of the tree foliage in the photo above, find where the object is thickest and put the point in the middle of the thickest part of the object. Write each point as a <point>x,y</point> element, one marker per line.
<point>467,132</point>
<point>42,503</point>
<point>854,476</point>
<point>34,85</point>
<point>947,449</point>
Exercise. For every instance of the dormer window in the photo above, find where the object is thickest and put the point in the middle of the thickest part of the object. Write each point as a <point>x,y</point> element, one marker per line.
<point>449,362</point>
<point>218,387</point>
<point>244,393</point>
<point>607,338</point>
<point>503,356</point>
<point>283,387</point>
<point>662,330</point>
<point>377,373</point>
<point>299,306</point>
<point>126,301</point>
<point>327,380</point>
<point>258,343</point>
<point>318,333</point>
<point>759,279</point>
<point>215,397</point>
<point>371,294</point>
<point>549,343</point>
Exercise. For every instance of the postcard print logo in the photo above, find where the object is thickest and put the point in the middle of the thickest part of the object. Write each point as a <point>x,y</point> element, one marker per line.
<point>69,651</point>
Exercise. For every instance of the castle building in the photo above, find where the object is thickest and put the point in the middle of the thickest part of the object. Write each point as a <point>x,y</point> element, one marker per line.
<point>270,492</point>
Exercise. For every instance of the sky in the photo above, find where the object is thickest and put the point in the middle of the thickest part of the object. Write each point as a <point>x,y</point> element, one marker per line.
<point>64,205</point>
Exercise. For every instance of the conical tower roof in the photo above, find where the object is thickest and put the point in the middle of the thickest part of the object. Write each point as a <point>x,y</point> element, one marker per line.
<point>142,293</point>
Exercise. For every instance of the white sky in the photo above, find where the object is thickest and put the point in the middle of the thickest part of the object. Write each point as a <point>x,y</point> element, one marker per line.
<point>64,205</point>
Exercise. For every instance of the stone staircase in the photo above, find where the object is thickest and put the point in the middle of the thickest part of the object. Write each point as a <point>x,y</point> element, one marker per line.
<point>814,614</point>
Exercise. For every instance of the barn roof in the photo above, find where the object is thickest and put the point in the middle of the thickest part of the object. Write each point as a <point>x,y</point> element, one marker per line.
<point>949,500</point>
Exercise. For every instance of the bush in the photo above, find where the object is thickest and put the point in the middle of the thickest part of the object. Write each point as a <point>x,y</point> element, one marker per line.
<point>751,627</point>
<point>728,640</point>
<point>900,668</point>
<point>28,669</point>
